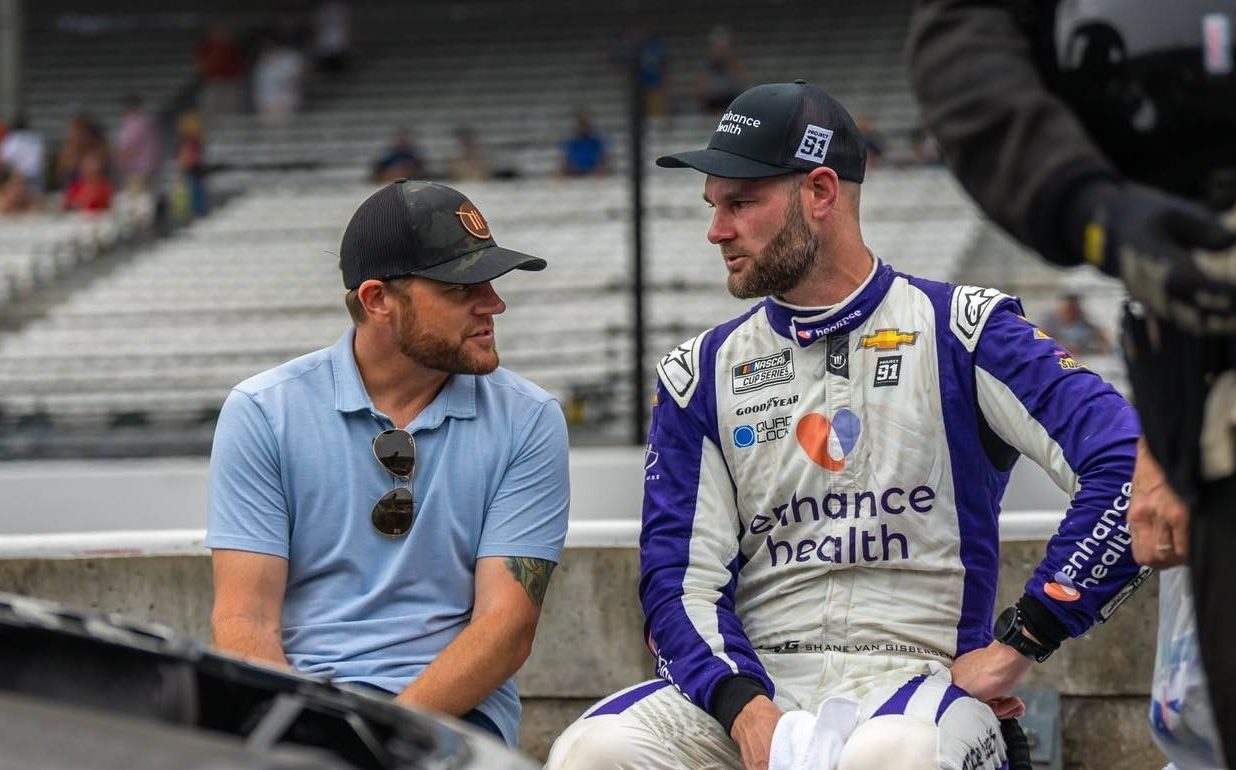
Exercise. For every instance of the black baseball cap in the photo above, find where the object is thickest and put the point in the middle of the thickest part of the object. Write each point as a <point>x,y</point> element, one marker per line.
<point>425,229</point>
<point>779,128</point>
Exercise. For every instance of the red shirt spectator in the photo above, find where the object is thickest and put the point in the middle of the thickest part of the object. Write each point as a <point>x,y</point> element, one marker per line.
<point>218,55</point>
<point>91,190</point>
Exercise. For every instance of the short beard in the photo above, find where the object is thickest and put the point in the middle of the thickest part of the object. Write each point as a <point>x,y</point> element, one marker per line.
<point>783,263</point>
<point>434,351</point>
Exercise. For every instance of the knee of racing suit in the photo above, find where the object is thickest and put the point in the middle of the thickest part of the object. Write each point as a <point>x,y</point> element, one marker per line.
<point>912,743</point>
<point>610,742</point>
<point>894,740</point>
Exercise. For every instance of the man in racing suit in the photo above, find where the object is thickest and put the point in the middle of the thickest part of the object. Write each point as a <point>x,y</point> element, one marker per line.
<point>823,481</point>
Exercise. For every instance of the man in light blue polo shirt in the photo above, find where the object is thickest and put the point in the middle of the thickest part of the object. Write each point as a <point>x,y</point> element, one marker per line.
<point>388,510</point>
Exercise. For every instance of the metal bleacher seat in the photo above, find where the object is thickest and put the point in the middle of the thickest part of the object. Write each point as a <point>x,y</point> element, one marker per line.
<point>160,338</point>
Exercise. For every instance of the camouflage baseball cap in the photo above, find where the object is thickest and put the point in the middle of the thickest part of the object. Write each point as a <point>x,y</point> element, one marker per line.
<point>425,229</point>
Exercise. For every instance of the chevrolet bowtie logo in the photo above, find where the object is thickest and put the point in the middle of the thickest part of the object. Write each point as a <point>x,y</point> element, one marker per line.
<point>888,339</point>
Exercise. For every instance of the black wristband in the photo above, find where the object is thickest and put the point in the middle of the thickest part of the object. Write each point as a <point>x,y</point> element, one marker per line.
<point>1040,621</point>
<point>731,695</point>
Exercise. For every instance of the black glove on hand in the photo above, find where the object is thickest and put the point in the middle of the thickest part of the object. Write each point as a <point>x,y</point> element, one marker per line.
<point>1171,254</point>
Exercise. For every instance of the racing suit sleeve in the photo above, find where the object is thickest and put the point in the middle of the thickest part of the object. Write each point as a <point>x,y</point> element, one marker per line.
<point>1016,148</point>
<point>1039,400</point>
<point>689,562</point>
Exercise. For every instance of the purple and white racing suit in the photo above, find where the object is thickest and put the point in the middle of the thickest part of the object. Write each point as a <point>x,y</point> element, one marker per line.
<point>822,492</point>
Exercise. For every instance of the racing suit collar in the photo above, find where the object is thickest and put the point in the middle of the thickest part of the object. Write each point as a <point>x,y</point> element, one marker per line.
<point>806,325</point>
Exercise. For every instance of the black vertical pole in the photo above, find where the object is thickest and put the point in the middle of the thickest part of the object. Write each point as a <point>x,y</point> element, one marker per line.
<point>636,172</point>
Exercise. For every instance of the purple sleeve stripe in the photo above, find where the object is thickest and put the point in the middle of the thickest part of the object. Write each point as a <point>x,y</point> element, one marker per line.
<point>951,694</point>
<point>897,703</point>
<point>627,698</point>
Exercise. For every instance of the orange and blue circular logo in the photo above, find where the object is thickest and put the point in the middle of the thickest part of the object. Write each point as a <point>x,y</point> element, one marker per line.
<point>1061,588</point>
<point>814,431</point>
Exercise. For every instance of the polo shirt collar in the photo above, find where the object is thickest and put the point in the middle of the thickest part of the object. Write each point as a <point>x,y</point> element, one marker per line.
<point>456,399</point>
<point>350,394</point>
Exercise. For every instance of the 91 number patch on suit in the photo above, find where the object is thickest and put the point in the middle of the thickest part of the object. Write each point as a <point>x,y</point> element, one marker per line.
<point>887,371</point>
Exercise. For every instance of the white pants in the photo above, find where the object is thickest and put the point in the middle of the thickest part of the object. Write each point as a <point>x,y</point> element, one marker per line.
<point>923,723</point>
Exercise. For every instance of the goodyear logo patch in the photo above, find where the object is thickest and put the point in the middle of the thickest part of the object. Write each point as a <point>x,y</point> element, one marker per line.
<point>762,372</point>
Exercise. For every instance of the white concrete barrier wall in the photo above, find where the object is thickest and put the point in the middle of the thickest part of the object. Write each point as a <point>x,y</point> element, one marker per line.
<point>67,509</point>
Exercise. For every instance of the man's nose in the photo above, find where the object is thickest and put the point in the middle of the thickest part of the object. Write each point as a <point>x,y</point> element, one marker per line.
<point>489,302</point>
<point>721,229</point>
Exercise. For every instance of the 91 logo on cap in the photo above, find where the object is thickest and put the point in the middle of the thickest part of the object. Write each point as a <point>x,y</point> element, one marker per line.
<point>814,145</point>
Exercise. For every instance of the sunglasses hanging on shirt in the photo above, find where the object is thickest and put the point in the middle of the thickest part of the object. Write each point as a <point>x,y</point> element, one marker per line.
<point>393,514</point>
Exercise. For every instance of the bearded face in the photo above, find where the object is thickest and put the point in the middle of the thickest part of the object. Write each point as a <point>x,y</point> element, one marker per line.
<point>782,263</point>
<point>437,335</point>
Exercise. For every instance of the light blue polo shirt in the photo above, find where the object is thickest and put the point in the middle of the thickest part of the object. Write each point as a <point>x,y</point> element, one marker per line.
<point>292,474</point>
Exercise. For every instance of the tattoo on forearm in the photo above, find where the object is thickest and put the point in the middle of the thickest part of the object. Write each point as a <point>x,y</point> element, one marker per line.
<point>532,574</point>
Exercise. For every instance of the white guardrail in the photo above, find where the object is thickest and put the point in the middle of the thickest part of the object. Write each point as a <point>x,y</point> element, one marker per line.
<point>97,509</point>
<point>615,533</point>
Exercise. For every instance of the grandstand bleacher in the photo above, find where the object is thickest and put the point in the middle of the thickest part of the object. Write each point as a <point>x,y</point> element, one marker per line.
<point>137,358</point>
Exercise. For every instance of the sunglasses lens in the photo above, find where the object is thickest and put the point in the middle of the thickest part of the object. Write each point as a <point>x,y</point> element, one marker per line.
<point>396,451</point>
<point>392,515</point>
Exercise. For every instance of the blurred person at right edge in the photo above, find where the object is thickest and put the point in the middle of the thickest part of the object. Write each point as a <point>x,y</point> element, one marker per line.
<point>1101,131</point>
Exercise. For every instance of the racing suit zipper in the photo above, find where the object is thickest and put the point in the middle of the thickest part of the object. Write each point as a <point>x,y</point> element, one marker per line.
<point>823,367</point>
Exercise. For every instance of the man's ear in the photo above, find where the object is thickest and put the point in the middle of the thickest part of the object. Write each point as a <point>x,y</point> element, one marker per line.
<point>378,299</point>
<point>822,193</point>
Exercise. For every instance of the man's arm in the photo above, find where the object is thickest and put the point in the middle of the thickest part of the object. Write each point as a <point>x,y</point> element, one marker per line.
<point>1041,401</point>
<point>1024,155</point>
<point>1015,147</point>
<point>525,527</point>
<point>248,605</point>
<point>496,642</point>
<point>689,550</point>
<point>247,533</point>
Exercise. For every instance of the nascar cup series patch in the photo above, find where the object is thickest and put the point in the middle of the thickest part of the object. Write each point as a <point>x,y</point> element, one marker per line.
<point>762,372</point>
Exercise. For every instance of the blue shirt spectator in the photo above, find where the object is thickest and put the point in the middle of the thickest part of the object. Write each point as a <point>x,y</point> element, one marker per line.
<point>584,154</point>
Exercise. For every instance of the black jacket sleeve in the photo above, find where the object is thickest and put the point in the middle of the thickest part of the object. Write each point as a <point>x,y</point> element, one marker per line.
<point>978,69</point>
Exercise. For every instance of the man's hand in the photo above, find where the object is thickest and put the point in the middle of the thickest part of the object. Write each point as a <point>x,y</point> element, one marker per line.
<point>753,731</point>
<point>989,673</point>
<point>1158,518</point>
<point>1173,255</point>
<point>1008,707</point>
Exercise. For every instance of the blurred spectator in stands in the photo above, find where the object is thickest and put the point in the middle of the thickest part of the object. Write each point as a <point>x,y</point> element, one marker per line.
<point>137,146</point>
<point>220,63</point>
<point>583,153</point>
<point>647,52</point>
<point>22,151</point>
<point>872,138</point>
<point>332,36</point>
<point>90,190</point>
<point>1069,326</point>
<point>653,64</point>
<point>288,23</point>
<point>926,151</point>
<point>16,194</point>
<point>469,163</point>
<point>277,80</point>
<point>83,137</point>
<point>189,198</point>
<point>399,161</point>
<point>724,76</point>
